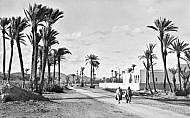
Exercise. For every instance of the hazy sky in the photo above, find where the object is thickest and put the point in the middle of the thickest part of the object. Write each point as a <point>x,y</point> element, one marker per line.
<point>114,30</point>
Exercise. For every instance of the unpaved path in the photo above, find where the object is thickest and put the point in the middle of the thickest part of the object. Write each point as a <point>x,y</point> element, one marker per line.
<point>142,110</point>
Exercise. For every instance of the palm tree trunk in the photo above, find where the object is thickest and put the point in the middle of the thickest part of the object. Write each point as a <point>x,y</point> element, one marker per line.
<point>32,70</point>
<point>34,74</point>
<point>179,70</point>
<point>149,82</point>
<point>44,58</point>
<point>54,63</point>
<point>59,70</point>
<point>91,84</point>
<point>49,74</point>
<point>4,55</point>
<point>10,62</point>
<point>154,85</point>
<point>166,75</point>
<point>82,83</point>
<point>21,61</point>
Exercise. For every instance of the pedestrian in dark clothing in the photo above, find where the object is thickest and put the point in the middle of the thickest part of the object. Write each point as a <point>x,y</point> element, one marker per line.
<point>128,94</point>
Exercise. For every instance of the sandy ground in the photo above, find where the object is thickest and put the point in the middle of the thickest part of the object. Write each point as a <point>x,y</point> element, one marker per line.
<point>92,103</point>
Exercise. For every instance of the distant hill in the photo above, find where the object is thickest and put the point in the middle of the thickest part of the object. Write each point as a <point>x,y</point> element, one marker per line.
<point>17,76</point>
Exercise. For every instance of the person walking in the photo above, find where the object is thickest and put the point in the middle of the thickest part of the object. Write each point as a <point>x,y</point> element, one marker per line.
<point>118,94</point>
<point>128,94</point>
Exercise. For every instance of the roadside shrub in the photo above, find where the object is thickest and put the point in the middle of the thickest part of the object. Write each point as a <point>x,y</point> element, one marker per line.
<point>53,88</point>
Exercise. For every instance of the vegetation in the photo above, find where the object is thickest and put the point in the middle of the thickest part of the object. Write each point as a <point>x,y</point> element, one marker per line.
<point>162,25</point>
<point>93,61</point>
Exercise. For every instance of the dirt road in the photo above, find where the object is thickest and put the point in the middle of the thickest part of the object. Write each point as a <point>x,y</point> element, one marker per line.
<point>142,110</point>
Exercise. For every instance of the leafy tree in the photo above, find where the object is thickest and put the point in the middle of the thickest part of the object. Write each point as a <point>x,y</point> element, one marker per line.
<point>4,22</point>
<point>178,47</point>
<point>162,25</point>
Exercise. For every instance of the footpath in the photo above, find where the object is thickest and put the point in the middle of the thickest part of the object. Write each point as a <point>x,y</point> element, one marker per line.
<point>141,110</point>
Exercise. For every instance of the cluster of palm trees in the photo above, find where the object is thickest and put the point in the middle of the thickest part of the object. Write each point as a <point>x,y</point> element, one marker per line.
<point>167,41</point>
<point>40,19</point>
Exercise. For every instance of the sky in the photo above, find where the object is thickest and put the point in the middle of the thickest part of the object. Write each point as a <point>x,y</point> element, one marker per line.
<point>114,30</point>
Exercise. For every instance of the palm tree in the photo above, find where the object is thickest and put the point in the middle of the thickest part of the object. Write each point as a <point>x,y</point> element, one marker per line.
<point>35,16</point>
<point>187,58</point>
<point>173,71</point>
<point>185,75</point>
<point>82,74</point>
<point>48,38</point>
<point>4,25</point>
<point>133,67</point>
<point>90,59</point>
<point>60,53</point>
<point>116,73</point>
<point>73,75</point>
<point>150,48</point>
<point>95,65</point>
<point>146,56</point>
<point>123,72</point>
<point>162,26</point>
<point>178,47</point>
<point>130,70</point>
<point>54,54</point>
<point>11,37</point>
<point>112,74</point>
<point>18,25</point>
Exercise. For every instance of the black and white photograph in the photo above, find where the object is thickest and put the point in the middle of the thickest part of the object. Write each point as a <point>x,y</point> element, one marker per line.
<point>94,58</point>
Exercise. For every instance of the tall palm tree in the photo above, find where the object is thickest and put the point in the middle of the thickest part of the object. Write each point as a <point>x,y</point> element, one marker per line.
<point>95,65</point>
<point>162,25</point>
<point>12,38</point>
<point>178,47</point>
<point>35,16</point>
<point>33,82</point>
<point>60,53</point>
<point>173,71</point>
<point>48,38</point>
<point>18,26</point>
<point>150,48</point>
<point>4,25</point>
<point>82,75</point>
<point>90,59</point>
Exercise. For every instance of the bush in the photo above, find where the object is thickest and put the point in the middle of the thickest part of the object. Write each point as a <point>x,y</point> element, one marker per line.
<point>53,88</point>
<point>182,92</point>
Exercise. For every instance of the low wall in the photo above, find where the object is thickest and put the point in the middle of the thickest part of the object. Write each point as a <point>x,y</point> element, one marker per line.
<point>133,86</point>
